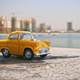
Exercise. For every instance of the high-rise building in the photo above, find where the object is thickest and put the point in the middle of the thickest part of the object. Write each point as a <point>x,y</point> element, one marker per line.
<point>42,27</point>
<point>3,24</point>
<point>69,27</point>
<point>33,22</point>
<point>26,25</point>
<point>13,23</point>
<point>48,29</point>
<point>21,25</point>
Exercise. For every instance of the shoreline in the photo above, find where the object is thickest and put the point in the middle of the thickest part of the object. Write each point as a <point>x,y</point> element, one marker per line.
<point>64,51</point>
<point>60,64</point>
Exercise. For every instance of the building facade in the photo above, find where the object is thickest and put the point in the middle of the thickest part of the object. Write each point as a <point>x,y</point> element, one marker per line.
<point>42,28</point>
<point>33,24</point>
<point>26,25</point>
<point>13,24</point>
<point>69,27</point>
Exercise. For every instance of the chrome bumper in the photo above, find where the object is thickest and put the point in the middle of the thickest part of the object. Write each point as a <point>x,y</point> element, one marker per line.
<point>43,51</point>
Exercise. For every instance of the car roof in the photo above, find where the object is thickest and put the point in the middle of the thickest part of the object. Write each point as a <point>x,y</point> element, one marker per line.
<point>19,32</point>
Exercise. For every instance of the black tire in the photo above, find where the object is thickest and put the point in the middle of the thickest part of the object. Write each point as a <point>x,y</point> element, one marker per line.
<point>5,53</point>
<point>43,56</point>
<point>28,54</point>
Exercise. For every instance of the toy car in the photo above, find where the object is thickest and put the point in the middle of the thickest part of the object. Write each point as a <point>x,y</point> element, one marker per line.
<point>22,43</point>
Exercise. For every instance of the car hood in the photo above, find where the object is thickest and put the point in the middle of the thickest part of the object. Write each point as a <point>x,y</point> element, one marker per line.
<point>43,43</point>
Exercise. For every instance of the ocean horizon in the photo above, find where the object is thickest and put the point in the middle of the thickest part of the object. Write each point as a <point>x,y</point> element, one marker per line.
<point>62,40</point>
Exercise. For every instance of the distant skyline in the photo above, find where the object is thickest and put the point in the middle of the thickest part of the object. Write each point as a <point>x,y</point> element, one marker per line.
<point>52,12</point>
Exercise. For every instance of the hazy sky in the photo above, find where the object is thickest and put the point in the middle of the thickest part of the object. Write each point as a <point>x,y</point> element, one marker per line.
<point>53,12</point>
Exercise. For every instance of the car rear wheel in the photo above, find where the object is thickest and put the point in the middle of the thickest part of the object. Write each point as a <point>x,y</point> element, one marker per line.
<point>5,53</point>
<point>28,54</point>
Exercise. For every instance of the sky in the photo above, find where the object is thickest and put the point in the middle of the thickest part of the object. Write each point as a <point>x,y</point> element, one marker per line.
<point>52,12</point>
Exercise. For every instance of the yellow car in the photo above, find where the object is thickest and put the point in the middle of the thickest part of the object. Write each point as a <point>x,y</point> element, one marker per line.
<point>22,43</point>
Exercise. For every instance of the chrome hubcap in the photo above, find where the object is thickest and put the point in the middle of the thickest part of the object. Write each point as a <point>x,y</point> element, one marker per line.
<point>28,54</point>
<point>5,52</point>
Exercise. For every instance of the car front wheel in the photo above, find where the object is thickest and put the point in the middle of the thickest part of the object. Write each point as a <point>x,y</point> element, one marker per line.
<point>28,54</point>
<point>5,53</point>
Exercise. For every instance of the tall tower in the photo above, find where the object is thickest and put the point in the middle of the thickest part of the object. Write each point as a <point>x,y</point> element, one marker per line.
<point>2,24</point>
<point>21,25</point>
<point>33,21</point>
<point>13,24</point>
<point>42,27</point>
<point>26,25</point>
<point>69,27</point>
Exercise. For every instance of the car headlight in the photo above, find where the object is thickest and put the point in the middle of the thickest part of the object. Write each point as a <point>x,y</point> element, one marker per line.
<point>44,50</point>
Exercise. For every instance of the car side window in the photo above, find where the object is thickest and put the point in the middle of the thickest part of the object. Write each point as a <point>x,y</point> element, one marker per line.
<point>13,37</point>
<point>26,36</point>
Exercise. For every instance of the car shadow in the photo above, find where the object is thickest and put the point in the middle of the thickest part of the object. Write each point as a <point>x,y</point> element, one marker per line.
<point>16,60</point>
<point>60,57</point>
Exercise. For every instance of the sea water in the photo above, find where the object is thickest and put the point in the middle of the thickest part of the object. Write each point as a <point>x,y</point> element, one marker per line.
<point>64,40</point>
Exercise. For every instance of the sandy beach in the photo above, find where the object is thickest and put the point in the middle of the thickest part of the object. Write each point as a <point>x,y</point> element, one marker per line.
<point>60,64</point>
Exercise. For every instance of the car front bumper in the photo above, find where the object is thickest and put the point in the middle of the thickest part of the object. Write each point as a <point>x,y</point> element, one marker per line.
<point>43,51</point>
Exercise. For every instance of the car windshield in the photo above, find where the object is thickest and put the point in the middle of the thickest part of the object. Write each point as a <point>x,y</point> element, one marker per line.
<point>27,36</point>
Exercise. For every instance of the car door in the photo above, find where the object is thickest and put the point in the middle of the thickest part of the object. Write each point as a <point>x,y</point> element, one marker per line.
<point>13,44</point>
<point>25,42</point>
